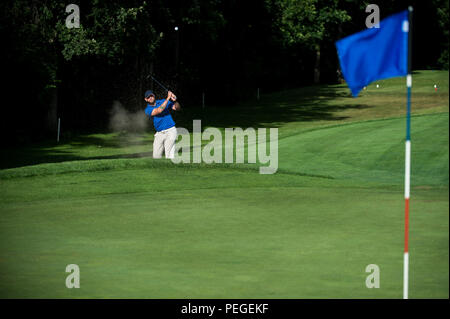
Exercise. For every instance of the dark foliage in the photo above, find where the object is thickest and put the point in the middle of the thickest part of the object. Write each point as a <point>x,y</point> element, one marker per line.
<point>225,49</point>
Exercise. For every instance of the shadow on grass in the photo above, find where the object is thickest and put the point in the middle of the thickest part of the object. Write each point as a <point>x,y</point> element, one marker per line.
<point>308,104</point>
<point>36,155</point>
<point>314,103</point>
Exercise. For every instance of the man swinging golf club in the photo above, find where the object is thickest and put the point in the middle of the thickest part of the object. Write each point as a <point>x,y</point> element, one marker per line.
<point>166,132</point>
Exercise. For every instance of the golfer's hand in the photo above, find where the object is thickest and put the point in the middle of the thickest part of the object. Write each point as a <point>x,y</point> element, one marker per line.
<point>173,98</point>
<point>169,95</point>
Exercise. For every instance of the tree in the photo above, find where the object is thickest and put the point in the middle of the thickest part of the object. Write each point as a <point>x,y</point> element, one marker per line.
<point>309,23</point>
<point>442,15</point>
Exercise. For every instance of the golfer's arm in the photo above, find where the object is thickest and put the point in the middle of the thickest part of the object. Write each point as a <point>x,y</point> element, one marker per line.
<point>160,108</point>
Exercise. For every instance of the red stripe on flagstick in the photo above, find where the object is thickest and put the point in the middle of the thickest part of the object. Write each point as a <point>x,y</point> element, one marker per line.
<point>406,223</point>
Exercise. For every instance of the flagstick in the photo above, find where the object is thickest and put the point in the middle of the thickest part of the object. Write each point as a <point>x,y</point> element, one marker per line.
<point>407,159</point>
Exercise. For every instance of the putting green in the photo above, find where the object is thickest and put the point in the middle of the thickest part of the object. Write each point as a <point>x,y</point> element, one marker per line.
<point>372,151</point>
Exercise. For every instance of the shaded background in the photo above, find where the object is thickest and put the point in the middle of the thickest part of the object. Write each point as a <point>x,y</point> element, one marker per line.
<point>224,49</point>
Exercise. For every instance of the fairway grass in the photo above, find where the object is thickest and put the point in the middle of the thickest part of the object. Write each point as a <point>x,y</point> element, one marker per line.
<point>144,228</point>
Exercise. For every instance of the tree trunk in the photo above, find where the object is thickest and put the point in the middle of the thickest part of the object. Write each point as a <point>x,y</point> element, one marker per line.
<point>317,66</point>
<point>340,78</point>
<point>140,85</point>
<point>151,79</point>
<point>52,112</point>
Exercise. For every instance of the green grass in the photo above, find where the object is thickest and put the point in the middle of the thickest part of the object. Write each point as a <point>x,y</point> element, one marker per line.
<point>144,228</point>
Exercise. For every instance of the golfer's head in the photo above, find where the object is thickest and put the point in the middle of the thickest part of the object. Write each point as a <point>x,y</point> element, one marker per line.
<point>149,97</point>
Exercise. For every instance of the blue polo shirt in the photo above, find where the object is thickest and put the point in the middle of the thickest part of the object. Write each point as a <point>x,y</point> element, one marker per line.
<point>163,120</point>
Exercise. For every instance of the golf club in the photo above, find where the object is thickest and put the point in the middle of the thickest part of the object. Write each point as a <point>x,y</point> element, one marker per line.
<point>159,83</point>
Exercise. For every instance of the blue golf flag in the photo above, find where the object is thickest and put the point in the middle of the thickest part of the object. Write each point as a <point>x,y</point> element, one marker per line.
<point>375,54</point>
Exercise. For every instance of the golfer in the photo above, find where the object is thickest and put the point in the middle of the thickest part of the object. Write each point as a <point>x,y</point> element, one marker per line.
<point>166,132</point>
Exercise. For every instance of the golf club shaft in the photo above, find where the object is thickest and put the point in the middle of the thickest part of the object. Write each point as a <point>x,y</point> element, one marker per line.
<point>159,83</point>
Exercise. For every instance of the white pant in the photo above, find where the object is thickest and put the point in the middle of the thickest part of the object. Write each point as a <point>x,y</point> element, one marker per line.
<point>165,141</point>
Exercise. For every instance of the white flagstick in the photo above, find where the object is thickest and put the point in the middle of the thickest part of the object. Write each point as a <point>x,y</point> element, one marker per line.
<point>407,186</point>
<point>407,158</point>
